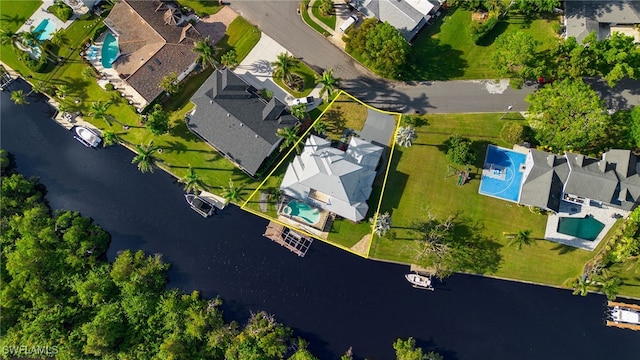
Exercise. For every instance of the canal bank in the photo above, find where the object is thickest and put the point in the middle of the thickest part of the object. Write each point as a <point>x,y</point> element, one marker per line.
<point>333,299</point>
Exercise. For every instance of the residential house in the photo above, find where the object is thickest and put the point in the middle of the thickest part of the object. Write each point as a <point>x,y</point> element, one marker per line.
<point>155,40</point>
<point>549,179</point>
<point>236,121</point>
<point>603,17</point>
<point>334,180</point>
<point>408,16</point>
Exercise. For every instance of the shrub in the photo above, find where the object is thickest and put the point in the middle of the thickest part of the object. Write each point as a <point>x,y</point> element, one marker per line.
<point>230,59</point>
<point>109,87</point>
<point>557,28</point>
<point>480,30</point>
<point>61,10</point>
<point>516,83</point>
<point>515,132</point>
<point>325,7</point>
<point>459,150</point>
<point>99,30</point>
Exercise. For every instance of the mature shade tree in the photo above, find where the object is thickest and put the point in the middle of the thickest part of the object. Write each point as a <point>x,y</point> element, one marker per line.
<point>570,59</point>
<point>357,38</point>
<point>386,50</point>
<point>615,57</point>
<point>261,338</point>
<point>170,83</point>
<point>531,7</point>
<point>283,67</point>
<point>515,55</point>
<point>206,52</point>
<point>568,115</point>
<point>106,331</point>
<point>329,83</point>
<point>98,110</point>
<point>145,157</point>
<point>407,350</point>
<point>459,150</point>
<point>381,224</point>
<point>158,120</point>
<point>406,135</point>
<point>192,182</point>
<point>289,137</point>
<point>19,97</point>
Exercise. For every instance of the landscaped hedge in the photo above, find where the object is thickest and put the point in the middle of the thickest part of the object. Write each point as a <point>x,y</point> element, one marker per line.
<point>480,30</point>
<point>61,10</point>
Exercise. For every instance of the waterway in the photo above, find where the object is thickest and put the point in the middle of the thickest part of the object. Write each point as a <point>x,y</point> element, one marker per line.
<point>333,299</point>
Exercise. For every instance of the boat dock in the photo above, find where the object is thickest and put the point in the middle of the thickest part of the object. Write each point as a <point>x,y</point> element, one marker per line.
<point>422,271</point>
<point>292,240</point>
<point>215,200</point>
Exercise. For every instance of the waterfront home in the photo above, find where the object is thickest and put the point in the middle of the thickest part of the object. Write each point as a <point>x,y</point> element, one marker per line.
<point>234,119</point>
<point>153,39</point>
<point>333,180</point>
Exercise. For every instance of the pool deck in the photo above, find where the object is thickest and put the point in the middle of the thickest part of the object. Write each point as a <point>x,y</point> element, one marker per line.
<point>604,214</point>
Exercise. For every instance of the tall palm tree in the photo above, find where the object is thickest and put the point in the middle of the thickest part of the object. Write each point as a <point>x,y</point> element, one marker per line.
<point>406,135</point>
<point>62,90</point>
<point>609,284</point>
<point>99,111</point>
<point>192,182</point>
<point>59,38</point>
<point>299,110</point>
<point>283,66</point>
<point>38,88</point>
<point>144,158</point>
<point>206,52</point>
<point>289,137</point>
<point>19,97</point>
<point>329,83</point>
<point>231,193</point>
<point>522,237</point>
<point>382,225</point>
<point>581,286</point>
<point>320,127</point>
<point>30,38</point>
<point>110,138</point>
<point>8,37</point>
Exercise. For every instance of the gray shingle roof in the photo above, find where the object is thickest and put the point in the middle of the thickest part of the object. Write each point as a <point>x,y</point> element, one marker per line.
<point>230,116</point>
<point>345,177</point>
<point>401,14</point>
<point>590,178</point>
<point>543,180</point>
<point>584,16</point>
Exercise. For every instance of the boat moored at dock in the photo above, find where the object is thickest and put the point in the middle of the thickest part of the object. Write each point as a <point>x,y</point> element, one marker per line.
<point>419,281</point>
<point>200,205</point>
<point>625,316</point>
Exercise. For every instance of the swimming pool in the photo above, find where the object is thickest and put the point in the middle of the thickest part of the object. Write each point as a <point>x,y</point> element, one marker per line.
<point>303,211</point>
<point>502,173</point>
<point>46,28</point>
<point>587,228</point>
<point>110,51</point>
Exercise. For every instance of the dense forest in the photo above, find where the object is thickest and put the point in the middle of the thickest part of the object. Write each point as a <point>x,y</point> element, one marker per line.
<point>60,297</point>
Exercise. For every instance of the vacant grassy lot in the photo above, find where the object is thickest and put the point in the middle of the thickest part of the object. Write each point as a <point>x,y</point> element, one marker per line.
<point>445,51</point>
<point>417,184</point>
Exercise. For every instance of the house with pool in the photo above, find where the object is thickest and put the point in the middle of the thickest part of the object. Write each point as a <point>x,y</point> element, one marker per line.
<point>324,181</point>
<point>146,41</point>
<point>584,195</point>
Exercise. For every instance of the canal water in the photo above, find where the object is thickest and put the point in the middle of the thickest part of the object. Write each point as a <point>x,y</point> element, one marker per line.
<point>333,299</point>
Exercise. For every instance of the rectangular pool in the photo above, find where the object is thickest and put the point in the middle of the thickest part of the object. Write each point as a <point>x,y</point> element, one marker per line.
<point>46,29</point>
<point>587,228</point>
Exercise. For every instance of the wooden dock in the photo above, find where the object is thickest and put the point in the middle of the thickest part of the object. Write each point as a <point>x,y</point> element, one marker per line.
<point>292,240</point>
<point>422,271</point>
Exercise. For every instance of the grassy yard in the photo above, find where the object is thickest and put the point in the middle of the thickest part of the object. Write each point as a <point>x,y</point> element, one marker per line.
<point>445,51</point>
<point>330,20</point>
<point>417,184</point>
<point>307,19</point>
<point>241,36</point>
<point>202,7</point>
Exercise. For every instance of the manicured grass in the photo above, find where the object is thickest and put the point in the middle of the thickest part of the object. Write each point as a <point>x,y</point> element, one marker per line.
<point>344,113</point>
<point>241,36</point>
<point>15,13</point>
<point>307,19</point>
<point>417,184</point>
<point>202,7</point>
<point>330,20</point>
<point>308,75</point>
<point>445,51</point>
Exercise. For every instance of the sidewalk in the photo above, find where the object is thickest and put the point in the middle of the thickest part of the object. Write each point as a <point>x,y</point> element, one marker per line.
<point>342,13</point>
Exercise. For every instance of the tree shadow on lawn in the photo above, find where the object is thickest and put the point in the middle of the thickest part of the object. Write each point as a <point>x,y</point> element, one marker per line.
<point>564,249</point>
<point>476,253</point>
<point>491,37</point>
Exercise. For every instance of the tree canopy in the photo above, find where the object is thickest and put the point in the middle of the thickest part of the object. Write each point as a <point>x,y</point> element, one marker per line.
<point>568,115</point>
<point>158,120</point>
<point>515,54</point>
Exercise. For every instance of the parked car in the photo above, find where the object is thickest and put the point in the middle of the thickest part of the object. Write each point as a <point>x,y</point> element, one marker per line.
<point>347,23</point>
<point>303,100</point>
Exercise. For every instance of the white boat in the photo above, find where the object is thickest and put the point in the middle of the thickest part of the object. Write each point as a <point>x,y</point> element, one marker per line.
<point>87,136</point>
<point>200,205</point>
<point>419,281</point>
<point>626,316</point>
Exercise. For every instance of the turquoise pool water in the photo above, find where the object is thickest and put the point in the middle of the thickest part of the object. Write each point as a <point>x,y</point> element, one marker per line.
<point>304,211</point>
<point>586,228</point>
<point>110,51</point>
<point>47,27</point>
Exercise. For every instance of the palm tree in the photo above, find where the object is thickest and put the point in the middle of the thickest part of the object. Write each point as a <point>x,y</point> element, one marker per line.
<point>87,73</point>
<point>299,110</point>
<point>99,111</point>
<point>406,135</point>
<point>609,284</point>
<point>329,83</point>
<point>38,88</point>
<point>206,52</point>
<point>110,138</point>
<point>144,158</point>
<point>30,38</point>
<point>19,97</point>
<point>231,192</point>
<point>192,182</point>
<point>581,286</point>
<point>59,38</point>
<point>382,225</point>
<point>8,37</point>
<point>289,137</point>
<point>522,237</point>
<point>282,67</point>
<point>320,127</point>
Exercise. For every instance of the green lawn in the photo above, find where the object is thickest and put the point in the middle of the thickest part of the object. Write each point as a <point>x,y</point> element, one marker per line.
<point>307,19</point>
<point>202,7</point>
<point>241,36</point>
<point>305,72</point>
<point>330,20</point>
<point>445,51</point>
<point>417,184</point>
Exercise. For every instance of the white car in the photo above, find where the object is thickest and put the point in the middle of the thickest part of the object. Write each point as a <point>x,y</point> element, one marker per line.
<point>305,100</point>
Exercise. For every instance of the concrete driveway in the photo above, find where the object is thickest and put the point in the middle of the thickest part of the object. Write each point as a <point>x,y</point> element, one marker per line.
<point>256,70</point>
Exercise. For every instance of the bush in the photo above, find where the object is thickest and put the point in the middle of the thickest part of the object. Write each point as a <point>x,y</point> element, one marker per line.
<point>61,10</point>
<point>99,30</point>
<point>480,30</point>
<point>35,65</point>
<point>557,28</point>
<point>515,133</point>
<point>516,83</point>
<point>459,150</point>
<point>109,87</point>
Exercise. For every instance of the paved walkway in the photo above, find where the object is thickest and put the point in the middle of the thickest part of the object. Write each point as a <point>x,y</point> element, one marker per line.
<point>256,70</point>
<point>342,14</point>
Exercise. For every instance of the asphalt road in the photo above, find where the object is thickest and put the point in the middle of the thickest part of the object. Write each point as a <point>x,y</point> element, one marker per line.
<point>280,20</point>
